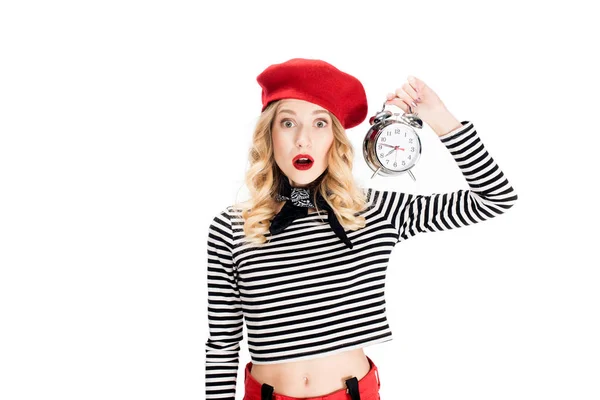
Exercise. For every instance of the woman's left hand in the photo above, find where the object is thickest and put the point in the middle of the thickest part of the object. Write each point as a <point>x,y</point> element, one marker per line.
<point>421,98</point>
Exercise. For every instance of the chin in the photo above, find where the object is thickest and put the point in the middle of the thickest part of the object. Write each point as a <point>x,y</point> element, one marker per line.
<point>301,178</point>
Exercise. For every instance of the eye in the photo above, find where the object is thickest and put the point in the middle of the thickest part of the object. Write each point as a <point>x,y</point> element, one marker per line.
<point>284,121</point>
<point>324,123</point>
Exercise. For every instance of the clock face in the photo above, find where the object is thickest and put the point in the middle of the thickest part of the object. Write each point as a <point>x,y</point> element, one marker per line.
<point>398,147</point>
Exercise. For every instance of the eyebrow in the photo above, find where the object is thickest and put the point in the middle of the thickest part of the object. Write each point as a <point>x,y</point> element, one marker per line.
<point>293,113</point>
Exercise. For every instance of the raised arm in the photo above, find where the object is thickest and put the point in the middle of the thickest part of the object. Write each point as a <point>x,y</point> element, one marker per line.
<point>490,193</point>
<point>225,317</point>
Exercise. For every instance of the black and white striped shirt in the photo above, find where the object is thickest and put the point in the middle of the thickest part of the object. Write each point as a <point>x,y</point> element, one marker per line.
<point>305,294</point>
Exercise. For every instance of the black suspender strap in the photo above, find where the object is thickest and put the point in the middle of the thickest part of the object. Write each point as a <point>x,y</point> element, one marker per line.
<point>352,385</point>
<point>266,392</point>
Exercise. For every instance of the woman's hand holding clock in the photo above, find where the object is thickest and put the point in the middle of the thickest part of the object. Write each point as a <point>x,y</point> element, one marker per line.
<point>416,97</point>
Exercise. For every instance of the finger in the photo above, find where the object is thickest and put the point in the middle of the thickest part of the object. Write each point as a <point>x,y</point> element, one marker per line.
<point>405,98</point>
<point>416,85</point>
<point>411,91</point>
<point>398,102</point>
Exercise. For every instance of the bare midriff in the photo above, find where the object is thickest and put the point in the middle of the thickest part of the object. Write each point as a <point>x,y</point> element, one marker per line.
<point>315,377</point>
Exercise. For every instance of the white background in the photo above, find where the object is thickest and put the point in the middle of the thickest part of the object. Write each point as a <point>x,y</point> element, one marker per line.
<point>124,129</point>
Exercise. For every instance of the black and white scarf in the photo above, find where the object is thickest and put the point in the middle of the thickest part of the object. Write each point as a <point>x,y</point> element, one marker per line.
<point>298,201</point>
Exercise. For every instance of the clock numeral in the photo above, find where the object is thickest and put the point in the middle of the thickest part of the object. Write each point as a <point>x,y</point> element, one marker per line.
<point>380,147</point>
<point>387,161</point>
<point>383,139</point>
<point>409,157</point>
<point>395,164</point>
<point>412,149</point>
<point>403,163</point>
<point>409,140</point>
<point>389,133</point>
<point>381,155</point>
<point>398,131</point>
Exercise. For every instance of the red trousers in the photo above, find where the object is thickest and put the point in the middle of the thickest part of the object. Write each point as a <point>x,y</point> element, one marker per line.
<point>365,389</point>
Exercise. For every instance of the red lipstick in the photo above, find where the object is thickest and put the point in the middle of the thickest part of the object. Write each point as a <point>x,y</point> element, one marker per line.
<point>301,163</point>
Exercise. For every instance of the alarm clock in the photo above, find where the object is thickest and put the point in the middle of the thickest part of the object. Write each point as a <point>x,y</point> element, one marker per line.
<point>392,146</point>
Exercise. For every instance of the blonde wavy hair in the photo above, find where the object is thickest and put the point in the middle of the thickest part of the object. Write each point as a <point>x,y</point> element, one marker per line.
<point>263,180</point>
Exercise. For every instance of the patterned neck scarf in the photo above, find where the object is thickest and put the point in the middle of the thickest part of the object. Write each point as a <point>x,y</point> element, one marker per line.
<point>298,201</point>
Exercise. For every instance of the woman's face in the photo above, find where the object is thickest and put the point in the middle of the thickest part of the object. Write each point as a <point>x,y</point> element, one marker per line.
<point>304,129</point>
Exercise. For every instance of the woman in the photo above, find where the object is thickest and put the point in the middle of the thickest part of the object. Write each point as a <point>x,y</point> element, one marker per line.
<point>303,261</point>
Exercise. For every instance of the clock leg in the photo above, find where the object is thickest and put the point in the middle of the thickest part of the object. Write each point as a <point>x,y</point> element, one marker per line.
<point>411,175</point>
<point>376,172</point>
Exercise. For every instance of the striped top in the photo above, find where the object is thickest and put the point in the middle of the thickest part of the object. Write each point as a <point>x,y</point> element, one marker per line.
<point>305,294</point>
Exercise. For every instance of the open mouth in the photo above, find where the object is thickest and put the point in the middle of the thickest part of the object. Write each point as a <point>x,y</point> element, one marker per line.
<point>303,161</point>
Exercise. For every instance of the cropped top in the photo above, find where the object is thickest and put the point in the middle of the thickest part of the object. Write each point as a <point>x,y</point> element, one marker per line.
<point>304,294</point>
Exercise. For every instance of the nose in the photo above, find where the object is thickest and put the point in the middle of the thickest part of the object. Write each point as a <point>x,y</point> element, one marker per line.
<point>303,139</point>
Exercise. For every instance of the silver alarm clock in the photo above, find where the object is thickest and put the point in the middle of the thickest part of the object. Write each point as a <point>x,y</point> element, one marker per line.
<point>392,146</point>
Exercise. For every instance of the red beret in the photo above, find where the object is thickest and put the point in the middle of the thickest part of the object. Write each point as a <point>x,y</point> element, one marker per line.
<point>317,82</point>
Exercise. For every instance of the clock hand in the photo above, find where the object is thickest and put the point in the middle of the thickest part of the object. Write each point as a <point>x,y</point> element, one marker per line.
<point>388,145</point>
<point>390,152</point>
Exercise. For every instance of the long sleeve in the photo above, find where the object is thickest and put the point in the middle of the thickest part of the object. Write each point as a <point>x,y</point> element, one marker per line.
<point>225,317</point>
<point>489,194</point>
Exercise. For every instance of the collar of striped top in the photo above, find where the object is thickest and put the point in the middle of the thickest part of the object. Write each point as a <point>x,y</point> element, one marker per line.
<point>297,202</point>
